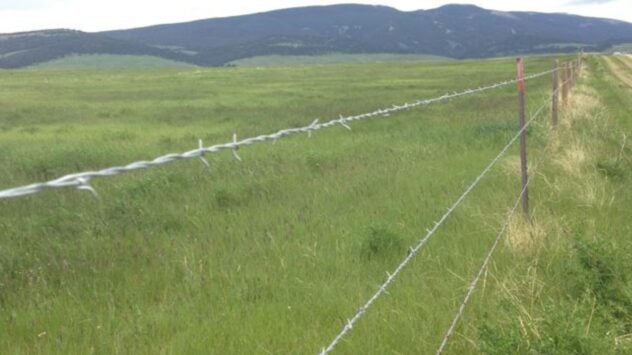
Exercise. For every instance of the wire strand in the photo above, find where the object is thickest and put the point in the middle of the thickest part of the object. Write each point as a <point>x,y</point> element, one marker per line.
<point>82,180</point>
<point>391,277</point>
<point>501,233</point>
<point>474,283</point>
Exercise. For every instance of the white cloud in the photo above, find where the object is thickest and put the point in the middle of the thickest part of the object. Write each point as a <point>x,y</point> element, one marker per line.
<point>24,4</point>
<point>581,2</point>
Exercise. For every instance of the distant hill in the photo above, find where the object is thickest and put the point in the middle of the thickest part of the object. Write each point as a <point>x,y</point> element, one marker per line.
<point>455,31</point>
<point>325,59</point>
<point>110,61</point>
<point>29,48</point>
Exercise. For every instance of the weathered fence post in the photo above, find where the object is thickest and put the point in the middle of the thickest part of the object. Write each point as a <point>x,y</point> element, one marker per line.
<point>523,137</point>
<point>570,76</point>
<point>567,76</point>
<point>564,70</point>
<point>579,62</point>
<point>555,96</point>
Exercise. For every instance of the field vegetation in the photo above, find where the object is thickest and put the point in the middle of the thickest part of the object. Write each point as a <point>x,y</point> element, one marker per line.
<point>110,61</point>
<point>336,58</point>
<point>625,48</point>
<point>273,254</point>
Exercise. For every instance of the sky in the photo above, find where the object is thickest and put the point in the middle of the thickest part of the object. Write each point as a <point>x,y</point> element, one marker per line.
<point>100,15</point>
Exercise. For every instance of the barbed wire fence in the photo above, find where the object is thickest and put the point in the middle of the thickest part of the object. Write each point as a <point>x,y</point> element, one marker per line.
<point>413,251</point>
<point>499,236</point>
<point>82,180</point>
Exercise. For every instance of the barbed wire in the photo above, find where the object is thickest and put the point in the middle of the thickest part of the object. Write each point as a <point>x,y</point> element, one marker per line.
<point>501,233</point>
<point>413,251</point>
<point>474,283</point>
<point>82,180</point>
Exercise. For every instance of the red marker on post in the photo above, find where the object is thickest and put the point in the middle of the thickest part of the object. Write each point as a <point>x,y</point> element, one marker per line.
<point>520,77</point>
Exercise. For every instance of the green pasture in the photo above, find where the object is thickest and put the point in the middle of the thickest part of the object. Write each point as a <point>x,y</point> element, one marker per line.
<point>111,61</point>
<point>272,255</point>
<point>329,59</point>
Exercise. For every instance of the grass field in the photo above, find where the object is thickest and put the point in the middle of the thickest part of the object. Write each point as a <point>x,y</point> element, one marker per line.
<point>111,61</point>
<point>273,254</point>
<point>302,60</point>
<point>625,48</point>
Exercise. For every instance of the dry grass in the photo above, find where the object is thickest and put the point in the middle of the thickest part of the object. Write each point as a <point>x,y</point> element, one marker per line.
<point>511,166</point>
<point>523,292</point>
<point>583,102</point>
<point>525,237</point>
<point>624,340</point>
<point>571,158</point>
<point>627,61</point>
<point>572,196</point>
<point>593,192</point>
<point>572,154</point>
<point>575,158</point>
<point>620,72</point>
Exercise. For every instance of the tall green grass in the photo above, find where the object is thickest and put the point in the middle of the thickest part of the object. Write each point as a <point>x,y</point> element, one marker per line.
<point>564,286</point>
<point>271,255</point>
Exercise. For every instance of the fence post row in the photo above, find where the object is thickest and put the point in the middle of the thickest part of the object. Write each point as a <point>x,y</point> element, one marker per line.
<point>569,78</point>
<point>579,63</point>
<point>569,68</point>
<point>569,72</point>
<point>523,137</point>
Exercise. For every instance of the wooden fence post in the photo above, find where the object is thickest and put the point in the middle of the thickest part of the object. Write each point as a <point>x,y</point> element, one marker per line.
<point>579,63</point>
<point>523,137</point>
<point>570,76</point>
<point>564,70</point>
<point>555,93</point>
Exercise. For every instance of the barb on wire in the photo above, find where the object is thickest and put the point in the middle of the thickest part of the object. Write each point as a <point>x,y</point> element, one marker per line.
<point>312,127</point>
<point>73,179</point>
<point>202,158</point>
<point>235,147</point>
<point>343,122</point>
<point>413,251</point>
<point>84,184</point>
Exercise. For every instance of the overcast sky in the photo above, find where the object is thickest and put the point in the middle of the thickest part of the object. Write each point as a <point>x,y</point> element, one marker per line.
<point>98,15</point>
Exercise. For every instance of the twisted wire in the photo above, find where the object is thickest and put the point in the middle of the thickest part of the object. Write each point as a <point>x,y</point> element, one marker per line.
<point>82,180</point>
<point>474,283</point>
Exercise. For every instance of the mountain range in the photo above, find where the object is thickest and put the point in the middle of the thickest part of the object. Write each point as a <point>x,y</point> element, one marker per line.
<point>455,31</point>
